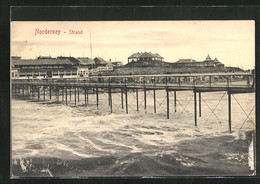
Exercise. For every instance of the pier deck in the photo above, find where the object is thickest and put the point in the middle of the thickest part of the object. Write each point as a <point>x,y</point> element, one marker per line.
<point>232,83</point>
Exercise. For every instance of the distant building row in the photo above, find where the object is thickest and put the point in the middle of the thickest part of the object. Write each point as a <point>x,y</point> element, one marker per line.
<point>208,62</point>
<point>148,56</point>
<point>58,67</point>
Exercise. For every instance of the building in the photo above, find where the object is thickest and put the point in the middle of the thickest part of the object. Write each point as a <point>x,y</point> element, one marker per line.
<point>189,62</point>
<point>217,63</point>
<point>140,56</point>
<point>100,62</point>
<point>82,71</point>
<point>14,73</point>
<point>117,63</point>
<point>208,62</point>
<point>86,61</point>
<point>47,67</point>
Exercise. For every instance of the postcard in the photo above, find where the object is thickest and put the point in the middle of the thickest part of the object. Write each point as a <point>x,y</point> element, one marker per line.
<point>132,98</point>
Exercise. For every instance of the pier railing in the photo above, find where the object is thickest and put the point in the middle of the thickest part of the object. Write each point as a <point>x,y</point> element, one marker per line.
<point>241,80</point>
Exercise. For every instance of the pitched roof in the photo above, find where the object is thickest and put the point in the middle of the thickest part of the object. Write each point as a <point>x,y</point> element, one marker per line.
<point>16,57</point>
<point>145,55</point>
<point>85,61</point>
<point>157,55</point>
<point>100,60</point>
<point>208,58</point>
<point>41,62</point>
<point>136,55</point>
<point>71,59</point>
<point>185,61</point>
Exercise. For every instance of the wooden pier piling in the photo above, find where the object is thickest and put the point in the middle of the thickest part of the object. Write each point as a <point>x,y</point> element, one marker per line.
<point>62,94</point>
<point>70,93</point>
<point>122,98</point>
<point>199,104</point>
<point>229,111</point>
<point>168,103</point>
<point>75,95</point>
<point>109,95</point>
<point>110,99</point>
<point>44,93</point>
<point>23,91</point>
<point>50,92</point>
<point>126,103</point>
<point>154,100</point>
<point>78,94</point>
<point>145,99</point>
<point>66,95</point>
<point>32,90</point>
<point>175,100</point>
<point>97,96</point>
<point>137,103</point>
<point>85,96</point>
<point>195,108</point>
<point>58,93</point>
<point>38,87</point>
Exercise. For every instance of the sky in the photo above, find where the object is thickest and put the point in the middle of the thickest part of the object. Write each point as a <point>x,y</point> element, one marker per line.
<point>232,42</point>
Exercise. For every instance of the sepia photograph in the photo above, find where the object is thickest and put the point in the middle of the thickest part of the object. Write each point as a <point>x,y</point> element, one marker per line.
<point>132,98</point>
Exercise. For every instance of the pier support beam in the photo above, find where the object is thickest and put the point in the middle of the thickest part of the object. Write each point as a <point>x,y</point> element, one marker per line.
<point>97,95</point>
<point>58,93</point>
<point>168,104</point>
<point>110,99</point>
<point>44,93</point>
<point>85,95</point>
<point>199,104</point>
<point>137,103</point>
<point>27,89</point>
<point>126,103</point>
<point>122,98</point>
<point>109,93</point>
<point>154,100</point>
<point>229,111</point>
<point>70,93</point>
<point>75,95</point>
<point>50,92</point>
<point>195,108</point>
<point>175,100</point>
<point>38,87</point>
<point>62,94</point>
<point>145,99</point>
<point>66,95</point>
<point>23,91</point>
<point>32,90</point>
<point>78,94</point>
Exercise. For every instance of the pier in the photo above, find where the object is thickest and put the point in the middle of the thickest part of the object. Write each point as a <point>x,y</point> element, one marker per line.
<point>125,85</point>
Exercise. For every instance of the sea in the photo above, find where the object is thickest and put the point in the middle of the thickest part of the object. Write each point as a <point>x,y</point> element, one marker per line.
<point>52,139</point>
